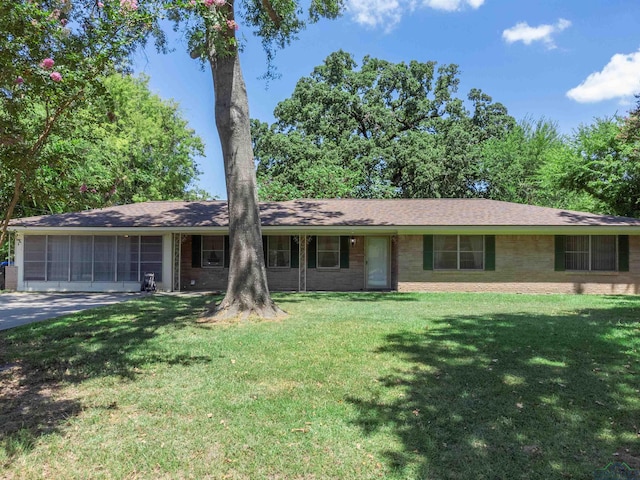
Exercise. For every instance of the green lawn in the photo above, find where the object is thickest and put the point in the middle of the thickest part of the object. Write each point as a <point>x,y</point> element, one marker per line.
<point>395,386</point>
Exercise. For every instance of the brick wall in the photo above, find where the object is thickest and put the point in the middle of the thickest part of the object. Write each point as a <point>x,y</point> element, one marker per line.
<point>524,264</point>
<point>279,279</point>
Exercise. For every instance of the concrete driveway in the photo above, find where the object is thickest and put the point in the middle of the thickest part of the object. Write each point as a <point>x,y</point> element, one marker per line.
<point>21,308</point>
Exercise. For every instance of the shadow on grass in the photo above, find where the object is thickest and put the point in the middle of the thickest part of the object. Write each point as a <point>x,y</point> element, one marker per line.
<point>512,395</point>
<point>108,341</point>
<point>364,297</point>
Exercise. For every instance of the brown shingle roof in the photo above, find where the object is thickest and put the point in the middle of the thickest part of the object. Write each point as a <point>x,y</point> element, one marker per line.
<point>331,213</point>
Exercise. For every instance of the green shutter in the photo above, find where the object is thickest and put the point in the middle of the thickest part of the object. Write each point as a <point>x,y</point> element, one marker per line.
<point>265,252</point>
<point>295,251</point>
<point>623,253</point>
<point>196,251</point>
<point>490,252</point>
<point>227,251</point>
<point>345,242</point>
<point>561,241</point>
<point>312,246</point>
<point>427,252</point>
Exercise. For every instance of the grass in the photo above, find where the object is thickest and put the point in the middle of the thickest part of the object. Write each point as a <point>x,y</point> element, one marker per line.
<point>396,386</point>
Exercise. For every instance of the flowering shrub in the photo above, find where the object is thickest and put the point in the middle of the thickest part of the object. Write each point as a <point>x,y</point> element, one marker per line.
<point>129,5</point>
<point>47,63</point>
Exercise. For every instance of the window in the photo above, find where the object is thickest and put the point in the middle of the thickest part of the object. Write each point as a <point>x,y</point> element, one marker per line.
<point>590,252</point>
<point>213,251</point>
<point>279,249</point>
<point>458,252</point>
<point>328,252</point>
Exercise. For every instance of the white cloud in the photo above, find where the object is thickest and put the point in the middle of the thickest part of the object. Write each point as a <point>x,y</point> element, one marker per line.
<point>523,32</point>
<point>451,5</point>
<point>619,78</point>
<point>388,13</point>
<point>373,13</point>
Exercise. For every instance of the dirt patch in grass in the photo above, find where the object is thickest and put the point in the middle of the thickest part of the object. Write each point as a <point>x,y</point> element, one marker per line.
<point>628,456</point>
<point>31,405</point>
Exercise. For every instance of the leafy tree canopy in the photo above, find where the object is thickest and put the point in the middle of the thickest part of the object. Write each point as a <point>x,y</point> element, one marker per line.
<point>54,54</point>
<point>384,130</point>
<point>123,147</point>
<point>601,161</point>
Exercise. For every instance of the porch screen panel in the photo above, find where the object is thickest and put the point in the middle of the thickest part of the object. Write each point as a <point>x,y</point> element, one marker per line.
<point>128,255</point>
<point>603,252</point>
<point>151,255</point>
<point>82,258</point>
<point>104,267</point>
<point>58,258</point>
<point>35,255</point>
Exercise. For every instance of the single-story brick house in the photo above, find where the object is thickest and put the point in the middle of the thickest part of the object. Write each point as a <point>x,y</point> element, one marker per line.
<point>339,245</point>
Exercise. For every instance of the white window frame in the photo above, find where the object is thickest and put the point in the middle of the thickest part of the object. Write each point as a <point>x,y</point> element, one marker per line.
<point>269,249</point>
<point>589,253</point>
<point>203,260</point>
<point>457,268</point>
<point>318,251</point>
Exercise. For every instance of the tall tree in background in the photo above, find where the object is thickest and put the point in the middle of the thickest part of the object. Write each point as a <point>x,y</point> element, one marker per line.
<point>384,130</point>
<point>126,145</point>
<point>212,26</point>
<point>53,54</point>
<point>601,161</point>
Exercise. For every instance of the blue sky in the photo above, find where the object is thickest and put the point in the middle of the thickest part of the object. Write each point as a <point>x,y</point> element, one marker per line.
<point>566,60</point>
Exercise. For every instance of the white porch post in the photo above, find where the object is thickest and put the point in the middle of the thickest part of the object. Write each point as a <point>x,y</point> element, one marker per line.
<point>167,264</point>
<point>302,263</point>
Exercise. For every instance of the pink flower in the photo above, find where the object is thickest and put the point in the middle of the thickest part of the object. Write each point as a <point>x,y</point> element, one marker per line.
<point>217,27</point>
<point>55,76</point>
<point>130,5</point>
<point>47,63</point>
<point>232,25</point>
<point>19,80</point>
<point>208,3</point>
<point>83,188</point>
<point>100,4</point>
<point>192,3</point>
<point>219,3</point>
<point>93,190</point>
<point>63,22</point>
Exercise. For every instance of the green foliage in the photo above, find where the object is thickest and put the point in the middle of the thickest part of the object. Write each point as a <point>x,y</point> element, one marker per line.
<point>127,145</point>
<point>53,55</point>
<point>601,162</point>
<point>384,130</point>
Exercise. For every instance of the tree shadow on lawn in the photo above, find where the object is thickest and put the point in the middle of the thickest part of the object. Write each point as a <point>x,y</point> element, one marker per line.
<point>512,395</point>
<point>364,297</point>
<point>109,341</point>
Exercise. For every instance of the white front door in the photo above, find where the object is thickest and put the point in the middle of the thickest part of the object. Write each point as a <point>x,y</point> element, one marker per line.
<point>377,258</point>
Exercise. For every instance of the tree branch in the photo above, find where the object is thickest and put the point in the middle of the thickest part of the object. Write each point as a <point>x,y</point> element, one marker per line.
<point>273,15</point>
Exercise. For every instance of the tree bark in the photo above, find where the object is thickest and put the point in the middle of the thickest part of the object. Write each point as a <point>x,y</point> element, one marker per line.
<point>247,289</point>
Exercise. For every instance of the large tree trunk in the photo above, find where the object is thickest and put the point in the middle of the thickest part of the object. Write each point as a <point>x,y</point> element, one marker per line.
<point>247,289</point>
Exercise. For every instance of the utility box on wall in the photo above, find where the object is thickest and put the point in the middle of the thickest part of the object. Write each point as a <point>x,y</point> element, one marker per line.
<point>11,278</point>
